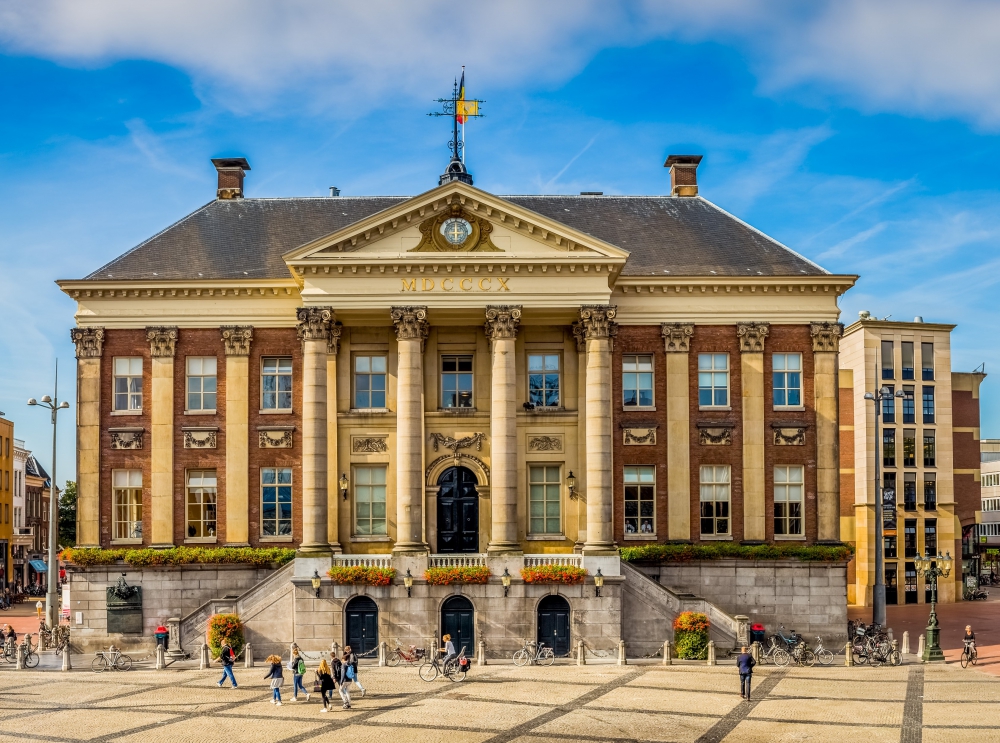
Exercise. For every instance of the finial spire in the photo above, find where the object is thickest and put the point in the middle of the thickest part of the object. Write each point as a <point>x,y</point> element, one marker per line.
<point>459,109</point>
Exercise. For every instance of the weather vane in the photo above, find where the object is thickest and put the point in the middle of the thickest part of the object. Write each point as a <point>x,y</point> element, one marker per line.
<point>460,109</point>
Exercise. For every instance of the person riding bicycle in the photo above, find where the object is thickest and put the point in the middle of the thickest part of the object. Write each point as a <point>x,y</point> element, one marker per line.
<point>970,638</point>
<point>448,650</point>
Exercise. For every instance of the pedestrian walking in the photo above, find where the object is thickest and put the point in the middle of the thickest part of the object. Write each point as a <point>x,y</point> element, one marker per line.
<point>745,663</point>
<point>227,657</point>
<point>341,668</point>
<point>298,668</point>
<point>352,660</point>
<point>326,683</point>
<point>277,678</point>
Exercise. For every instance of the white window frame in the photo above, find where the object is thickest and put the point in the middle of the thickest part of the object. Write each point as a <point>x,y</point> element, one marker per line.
<point>546,372</point>
<point>126,500</point>
<point>716,480</point>
<point>457,375</point>
<point>279,372</point>
<point>279,472</point>
<point>369,360</point>
<point>129,369</point>
<point>713,371</point>
<point>641,479</point>
<point>200,369</point>
<point>550,489</point>
<point>789,489</point>
<point>201,491</point>
<point>370,491</point>
<point>784,370</point>
<point>633,370</point>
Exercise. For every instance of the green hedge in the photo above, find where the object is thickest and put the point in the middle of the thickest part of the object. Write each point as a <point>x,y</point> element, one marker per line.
<point>147,557</point>
<point>736,551</point>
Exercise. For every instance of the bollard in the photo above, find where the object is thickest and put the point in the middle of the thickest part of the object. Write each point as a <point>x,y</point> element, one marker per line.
<point>711,652</point>
<point>920,648</point>
<point>248,656</point>
<point>667,659</point>
<point>161,660</point>
<point>381,655</point>
<point>19,652</point>
<point>67,664</point>
<point>205,661</point>
<point>581,654</point>
<point>755,651</point>
<point>481,654</point>
<point>621,653</point>
<point>849,654</point>
<point>335,649</point>
<point>906,643</point>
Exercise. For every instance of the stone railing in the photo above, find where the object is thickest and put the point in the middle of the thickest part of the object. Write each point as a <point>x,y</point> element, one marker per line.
<point>457,561</point>
<point>534,561</point>
<point>366,561</point>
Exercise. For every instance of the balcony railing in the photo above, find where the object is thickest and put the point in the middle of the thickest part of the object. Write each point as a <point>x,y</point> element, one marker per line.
<point>534,561</point>
<point>366,561</point>
<point>457,561</point>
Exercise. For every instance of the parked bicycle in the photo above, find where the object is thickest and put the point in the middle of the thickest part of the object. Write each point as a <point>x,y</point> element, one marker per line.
<point>969,654</point>
<point>455,669</point>
<point>531,654</point>
<point>111,659</point>
<point>775,653</point>
<point>30,655</point>
<point>976,594</point>
<point>824,656</point>
<point>397,655</point>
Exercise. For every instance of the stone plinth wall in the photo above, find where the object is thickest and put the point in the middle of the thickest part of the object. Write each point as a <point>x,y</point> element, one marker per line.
<point>809,597</point>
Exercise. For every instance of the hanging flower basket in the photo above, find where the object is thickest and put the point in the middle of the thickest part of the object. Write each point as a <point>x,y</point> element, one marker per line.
<point>447,576</point>
<point>553,574</point>
<point>361,574</point>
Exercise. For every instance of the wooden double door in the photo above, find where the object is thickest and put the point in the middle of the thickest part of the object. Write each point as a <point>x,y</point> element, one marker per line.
<point>457,511</point>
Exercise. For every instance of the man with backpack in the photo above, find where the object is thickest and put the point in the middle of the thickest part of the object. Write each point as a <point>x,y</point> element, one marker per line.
<point>227,657</point>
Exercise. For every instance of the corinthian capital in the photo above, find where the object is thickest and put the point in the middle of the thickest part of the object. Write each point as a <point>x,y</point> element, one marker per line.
<point>502,320</point>
<point>237,339</point>
<point>314,323</point>
<point>410,322</point>
<point>162,341</point>
<point>596,320</point>
<point>826,336</point>
<point>751,336</point>
<point>677,336</point>
<point>89,342</point>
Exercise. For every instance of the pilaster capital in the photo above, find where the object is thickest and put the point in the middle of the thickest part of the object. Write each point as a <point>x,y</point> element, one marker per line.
<point>237,339</point>
<point>751,336</point>
<point>162,341</point>
<point>314,323</point>
<point>677,336</point>
<point>579,336</point>
<point>826,336</point>
<point>89,342</point>
<point>502,320</point>
<point>410,322</point>
<point>333,343</point>
<point>597,321</point>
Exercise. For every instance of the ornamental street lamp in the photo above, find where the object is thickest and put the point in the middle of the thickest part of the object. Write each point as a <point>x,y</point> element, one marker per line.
<point>931,567</point>
<point>51,600</point>
<point>598,583</point>
<point>505,579</point>
<point>408,582</point>
<point>571,485</point>
<point>878,591</point>
<point>342,482</point>
<point>316,581</point>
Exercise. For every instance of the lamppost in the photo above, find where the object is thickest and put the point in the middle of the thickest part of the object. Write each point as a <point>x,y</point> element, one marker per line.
<point>931,567</point>
<point>51,600</point>
<point>878,590</point>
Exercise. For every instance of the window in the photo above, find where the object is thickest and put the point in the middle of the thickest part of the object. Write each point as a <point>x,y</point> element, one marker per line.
<point>909,491</point>
<point>928,400</point>
<point>369,382</point>
<point>787,369</point>
<point>909,413</point>
<point>887,368</point>
<point>909,447</point>
<point>930,491</point>
<point>910,538</point>
<point>201,501</point>
<point>906,351</point>
<point>890,546</point>
<point>927,361</point>
<point>369,501</point>
<point>276,384</point>
<point>889,500</point>
<point>456,382</point>
<point>714,499</point>
<point>930,537</point>
<point>888,447</point>
<point>640,501</point>
<point>929,449</point>
<point>128,383</point>
<point>713,380</point>
<point>544,485</point>
<point>276,501</point>
<point>543,380</point>
<point>788,501</point>
<point>989,530</point>
<point>991,504</point>
<point>889,405</point>
<point>201,383</point>
<point>127,503</point>
<point>991,479</point>
<point>637,381</point>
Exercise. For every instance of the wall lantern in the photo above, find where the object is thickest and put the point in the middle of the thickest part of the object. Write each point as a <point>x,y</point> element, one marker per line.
<point>316,580</point>
<point>408,582</point>
<point>571,485</point>
<point>598,583</point>
<point>342,482</point>
<point>505,579</point>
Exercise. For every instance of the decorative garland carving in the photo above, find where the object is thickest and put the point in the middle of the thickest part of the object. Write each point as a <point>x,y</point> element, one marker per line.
<point>369,445</point>
<point>751,336</point>
<point>789,436</point>
<point>448,442</point>
<point>89,342</point>
<point>545,443</point>
<point>826,336</point>
<point>719,436</point>
<point>478,241</point>
<point>267,441</point>
<point>162,341</point>
<point>127,438</point>
<point>200,439</point>
<point>314,323</point>
<point>237,339</point>
<point>502,320</point>
<point>410,322</point>
<point>639,436</point>
<point>596,320</point>
<point>677,336</point>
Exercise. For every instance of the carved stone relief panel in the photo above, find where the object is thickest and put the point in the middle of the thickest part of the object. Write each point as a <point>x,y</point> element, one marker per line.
<point>369,445</point>
<point>275,437</point>
<point>200,438</point>
<point>789,436</point>
<point>715,436</point>
<point>126,438</point>
<point>545,443</point>
<point>639,436</point>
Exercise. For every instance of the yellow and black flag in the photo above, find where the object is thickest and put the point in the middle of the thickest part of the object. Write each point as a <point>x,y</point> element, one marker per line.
<point>464,108</point>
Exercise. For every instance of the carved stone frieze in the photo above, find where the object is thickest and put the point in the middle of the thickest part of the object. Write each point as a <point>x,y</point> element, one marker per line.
<point>466,442</point>
<point>237,339</point>
<point>677,336</point>
<point>715,436</point>
<point>502,320</point>
<point>162,341</point>
<point>200,438</point>
<point>826,336</point>
<point>369,445</point>
<point>411,323</point>
<point>127,438</point>
<point>545,443</point>
<point>639,436</point>
<point>274,438</point>
<point>432,239</point>
<point>789,436</point>
<point>457,458</point>
<point>751,336</point>
<point>314,323</point>
<point>89,342</point>
<point>598,320</point>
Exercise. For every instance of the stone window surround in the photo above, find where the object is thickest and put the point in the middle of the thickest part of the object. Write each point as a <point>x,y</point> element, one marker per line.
<point>114,384</point>
<point>260,496</point>
<point>639,536</point>
<point>545,536</point>
<point>355,466</point>
<point>544,349</point>
<point>802,378</point>
<point>729,381</point>
<point>355,353</point>
<point>643,408</point>
<point>187,375</point>
<point>276,411</point>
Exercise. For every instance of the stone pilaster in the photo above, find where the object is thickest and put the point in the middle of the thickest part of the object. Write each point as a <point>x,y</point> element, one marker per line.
<point>598,329</point>
<point>411,330</point>
<point>677,342</point>
<point>501,328</point>
<point>333,472</point>
<point>826,345</point>
<point>162,344</point>
<point>236,340</point>
<point>751,336</point>
<point>314,331</point>
<point>89,346</point>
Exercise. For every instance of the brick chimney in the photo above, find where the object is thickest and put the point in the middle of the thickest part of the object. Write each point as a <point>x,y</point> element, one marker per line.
<point>231,172</point>
<point>683,174</point>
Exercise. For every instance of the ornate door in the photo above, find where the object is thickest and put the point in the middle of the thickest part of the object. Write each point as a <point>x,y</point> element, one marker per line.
<point>457,511</point>
<point>553,624</point>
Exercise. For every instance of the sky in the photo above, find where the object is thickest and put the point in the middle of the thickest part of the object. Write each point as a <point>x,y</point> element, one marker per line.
<point>863,134</point>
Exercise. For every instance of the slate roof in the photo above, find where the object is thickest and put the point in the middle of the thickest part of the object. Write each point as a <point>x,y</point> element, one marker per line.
<point>34,469</point>
<point>245,238</point>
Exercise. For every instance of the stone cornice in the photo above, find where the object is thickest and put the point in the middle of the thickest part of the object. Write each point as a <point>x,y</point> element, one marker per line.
<point>314,323</point>
<point>162,341</point>
<point>89,342</point>
<point>677,336</point>
<point>598,321</point>
<point>836,284</point>
<point>411,322</point>
<point>237,339</point>
<point>826,336</point>
<point>502,320</point>
<point>174,289</point>
<point>751,336</point>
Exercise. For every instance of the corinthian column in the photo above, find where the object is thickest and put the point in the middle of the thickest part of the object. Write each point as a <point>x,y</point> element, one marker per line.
<point>677,341</point>
<point>826,344</point>
<point>162,343</point>
<point>89,344</point>
<point>236,339</point>
<point>598,329</point>
<point>751,336</point>
<point>501,328</point>
<point>411,330</point>
<point>314,332</point>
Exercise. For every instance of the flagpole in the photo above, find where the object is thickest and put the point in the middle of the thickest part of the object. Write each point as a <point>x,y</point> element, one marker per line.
<point>463,119</point>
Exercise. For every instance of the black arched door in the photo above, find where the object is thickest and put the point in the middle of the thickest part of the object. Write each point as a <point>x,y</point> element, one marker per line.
<point>553,624</point>
<point>457,511</point>
<point>362,624</point>
<point>458,619</point>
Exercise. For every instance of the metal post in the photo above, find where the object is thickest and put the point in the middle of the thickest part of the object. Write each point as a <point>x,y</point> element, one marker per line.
<point>932,650</point>
<point>878,590</point>
<point>51,611</point>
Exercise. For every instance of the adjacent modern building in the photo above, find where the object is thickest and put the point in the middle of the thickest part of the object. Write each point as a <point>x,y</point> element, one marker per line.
<point>988,533</point>
<point>6,496</point>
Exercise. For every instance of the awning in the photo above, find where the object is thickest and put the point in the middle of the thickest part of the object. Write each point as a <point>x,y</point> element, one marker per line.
<point>38,566</point>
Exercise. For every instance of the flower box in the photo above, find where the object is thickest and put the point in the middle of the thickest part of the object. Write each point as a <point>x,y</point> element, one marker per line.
<point>447,576</point>
<point>361,575</point>
<point>148,557</point>
<point>553,574</point>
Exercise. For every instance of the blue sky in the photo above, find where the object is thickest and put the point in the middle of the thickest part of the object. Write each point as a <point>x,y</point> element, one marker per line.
<point>864,135</point>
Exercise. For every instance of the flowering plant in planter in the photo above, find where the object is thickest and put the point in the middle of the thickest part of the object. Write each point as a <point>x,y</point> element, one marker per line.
<point>361,574</point>
<point>553,574</point>
<point>447,576</point>
<point>147,557</point>
<point>691,635</point>
<point>225,628</point>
